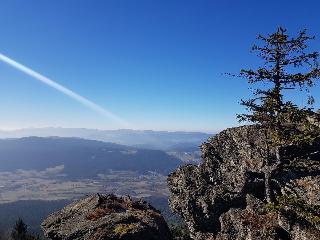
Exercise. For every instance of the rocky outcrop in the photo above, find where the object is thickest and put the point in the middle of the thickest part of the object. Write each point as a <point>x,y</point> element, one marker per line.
<point>223,197</point>
<point>101,217</point>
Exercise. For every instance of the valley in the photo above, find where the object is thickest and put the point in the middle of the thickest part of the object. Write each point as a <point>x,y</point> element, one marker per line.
<point>39,175</point>
<point>38,185</point>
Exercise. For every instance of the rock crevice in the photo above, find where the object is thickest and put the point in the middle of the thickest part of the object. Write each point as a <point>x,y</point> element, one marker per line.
<point>101,217</point>
<point>223,197</point>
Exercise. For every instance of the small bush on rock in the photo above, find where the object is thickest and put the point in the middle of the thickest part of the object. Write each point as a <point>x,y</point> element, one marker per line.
<point>296,207</point>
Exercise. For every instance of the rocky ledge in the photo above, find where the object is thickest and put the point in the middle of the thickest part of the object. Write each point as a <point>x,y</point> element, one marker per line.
<point>224,197</point>
<point>106,217</point>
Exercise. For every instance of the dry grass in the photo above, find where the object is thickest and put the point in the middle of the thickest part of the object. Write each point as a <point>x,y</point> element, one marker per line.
<point>266,222</point>
<point>98,213</point>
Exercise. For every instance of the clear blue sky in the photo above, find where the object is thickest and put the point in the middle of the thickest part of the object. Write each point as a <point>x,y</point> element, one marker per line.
<point>156,64</point>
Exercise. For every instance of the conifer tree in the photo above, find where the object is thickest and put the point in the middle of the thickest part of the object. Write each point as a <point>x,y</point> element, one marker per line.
<point>287,66</point>
<point>20,231</point>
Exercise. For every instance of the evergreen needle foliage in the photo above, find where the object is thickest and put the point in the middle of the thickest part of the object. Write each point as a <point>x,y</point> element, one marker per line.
<point>20,232</point>
<point>293,205</point>
<point>287,66</point>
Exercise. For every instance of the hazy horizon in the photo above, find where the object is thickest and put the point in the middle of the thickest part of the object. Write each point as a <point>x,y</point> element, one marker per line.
<point>105,129</point>
<point>137,65</point>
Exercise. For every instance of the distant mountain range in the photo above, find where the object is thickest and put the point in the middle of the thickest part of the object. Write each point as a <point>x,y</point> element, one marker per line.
<point>146,139</point>
<point>63,163</point>
<point>80,158</point>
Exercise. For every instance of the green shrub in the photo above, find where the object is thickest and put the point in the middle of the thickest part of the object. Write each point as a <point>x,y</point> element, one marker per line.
<point>292,204</point>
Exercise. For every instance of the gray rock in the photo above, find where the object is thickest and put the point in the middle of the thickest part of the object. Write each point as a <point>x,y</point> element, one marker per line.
<point>106,217</point>
<point>222,198</point>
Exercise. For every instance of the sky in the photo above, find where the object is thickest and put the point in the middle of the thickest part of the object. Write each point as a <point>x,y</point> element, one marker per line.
<point>153,64</point>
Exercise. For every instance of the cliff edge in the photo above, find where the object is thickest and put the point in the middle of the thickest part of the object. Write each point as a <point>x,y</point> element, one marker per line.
<point>224,197</point>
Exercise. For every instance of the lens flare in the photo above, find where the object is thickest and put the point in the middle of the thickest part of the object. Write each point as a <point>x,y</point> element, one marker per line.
<point>49,82</point>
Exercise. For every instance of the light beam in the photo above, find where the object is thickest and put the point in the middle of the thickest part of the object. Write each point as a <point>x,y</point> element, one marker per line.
<point>49,82</point>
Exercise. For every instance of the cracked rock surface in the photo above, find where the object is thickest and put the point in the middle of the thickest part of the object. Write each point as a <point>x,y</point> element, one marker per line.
<point>223,197</point>
<point>104,217</point>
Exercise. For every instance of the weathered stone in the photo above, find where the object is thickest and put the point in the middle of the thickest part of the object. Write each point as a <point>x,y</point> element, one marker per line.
<point>102,217</point>
<point>222,198</point>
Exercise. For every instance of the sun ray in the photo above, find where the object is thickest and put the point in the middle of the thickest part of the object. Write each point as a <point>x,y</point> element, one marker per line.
<point>66,91</point>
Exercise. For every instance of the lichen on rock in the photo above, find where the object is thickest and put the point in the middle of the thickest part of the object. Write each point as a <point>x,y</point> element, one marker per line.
<point>100,217</point>
<point>223,197</point>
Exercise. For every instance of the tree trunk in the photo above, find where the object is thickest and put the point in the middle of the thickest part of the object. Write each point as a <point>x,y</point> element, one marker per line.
<point>267,185</point>
<point>269,169</point>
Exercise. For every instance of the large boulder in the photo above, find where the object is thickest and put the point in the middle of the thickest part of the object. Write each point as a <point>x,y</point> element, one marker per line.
<point>101,217</point>
<point>223,197</point>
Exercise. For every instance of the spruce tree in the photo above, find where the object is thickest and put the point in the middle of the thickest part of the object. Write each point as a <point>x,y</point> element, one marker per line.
<point>287,66</point>
<point>20,231</point>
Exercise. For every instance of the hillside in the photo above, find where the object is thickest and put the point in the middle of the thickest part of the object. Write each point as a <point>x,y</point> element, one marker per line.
<point>32,212</point>
<point>80,158</point>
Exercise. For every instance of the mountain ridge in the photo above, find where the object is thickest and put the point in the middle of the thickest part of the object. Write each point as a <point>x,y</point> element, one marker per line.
<point>80,157</point>
<point>162,140</point>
